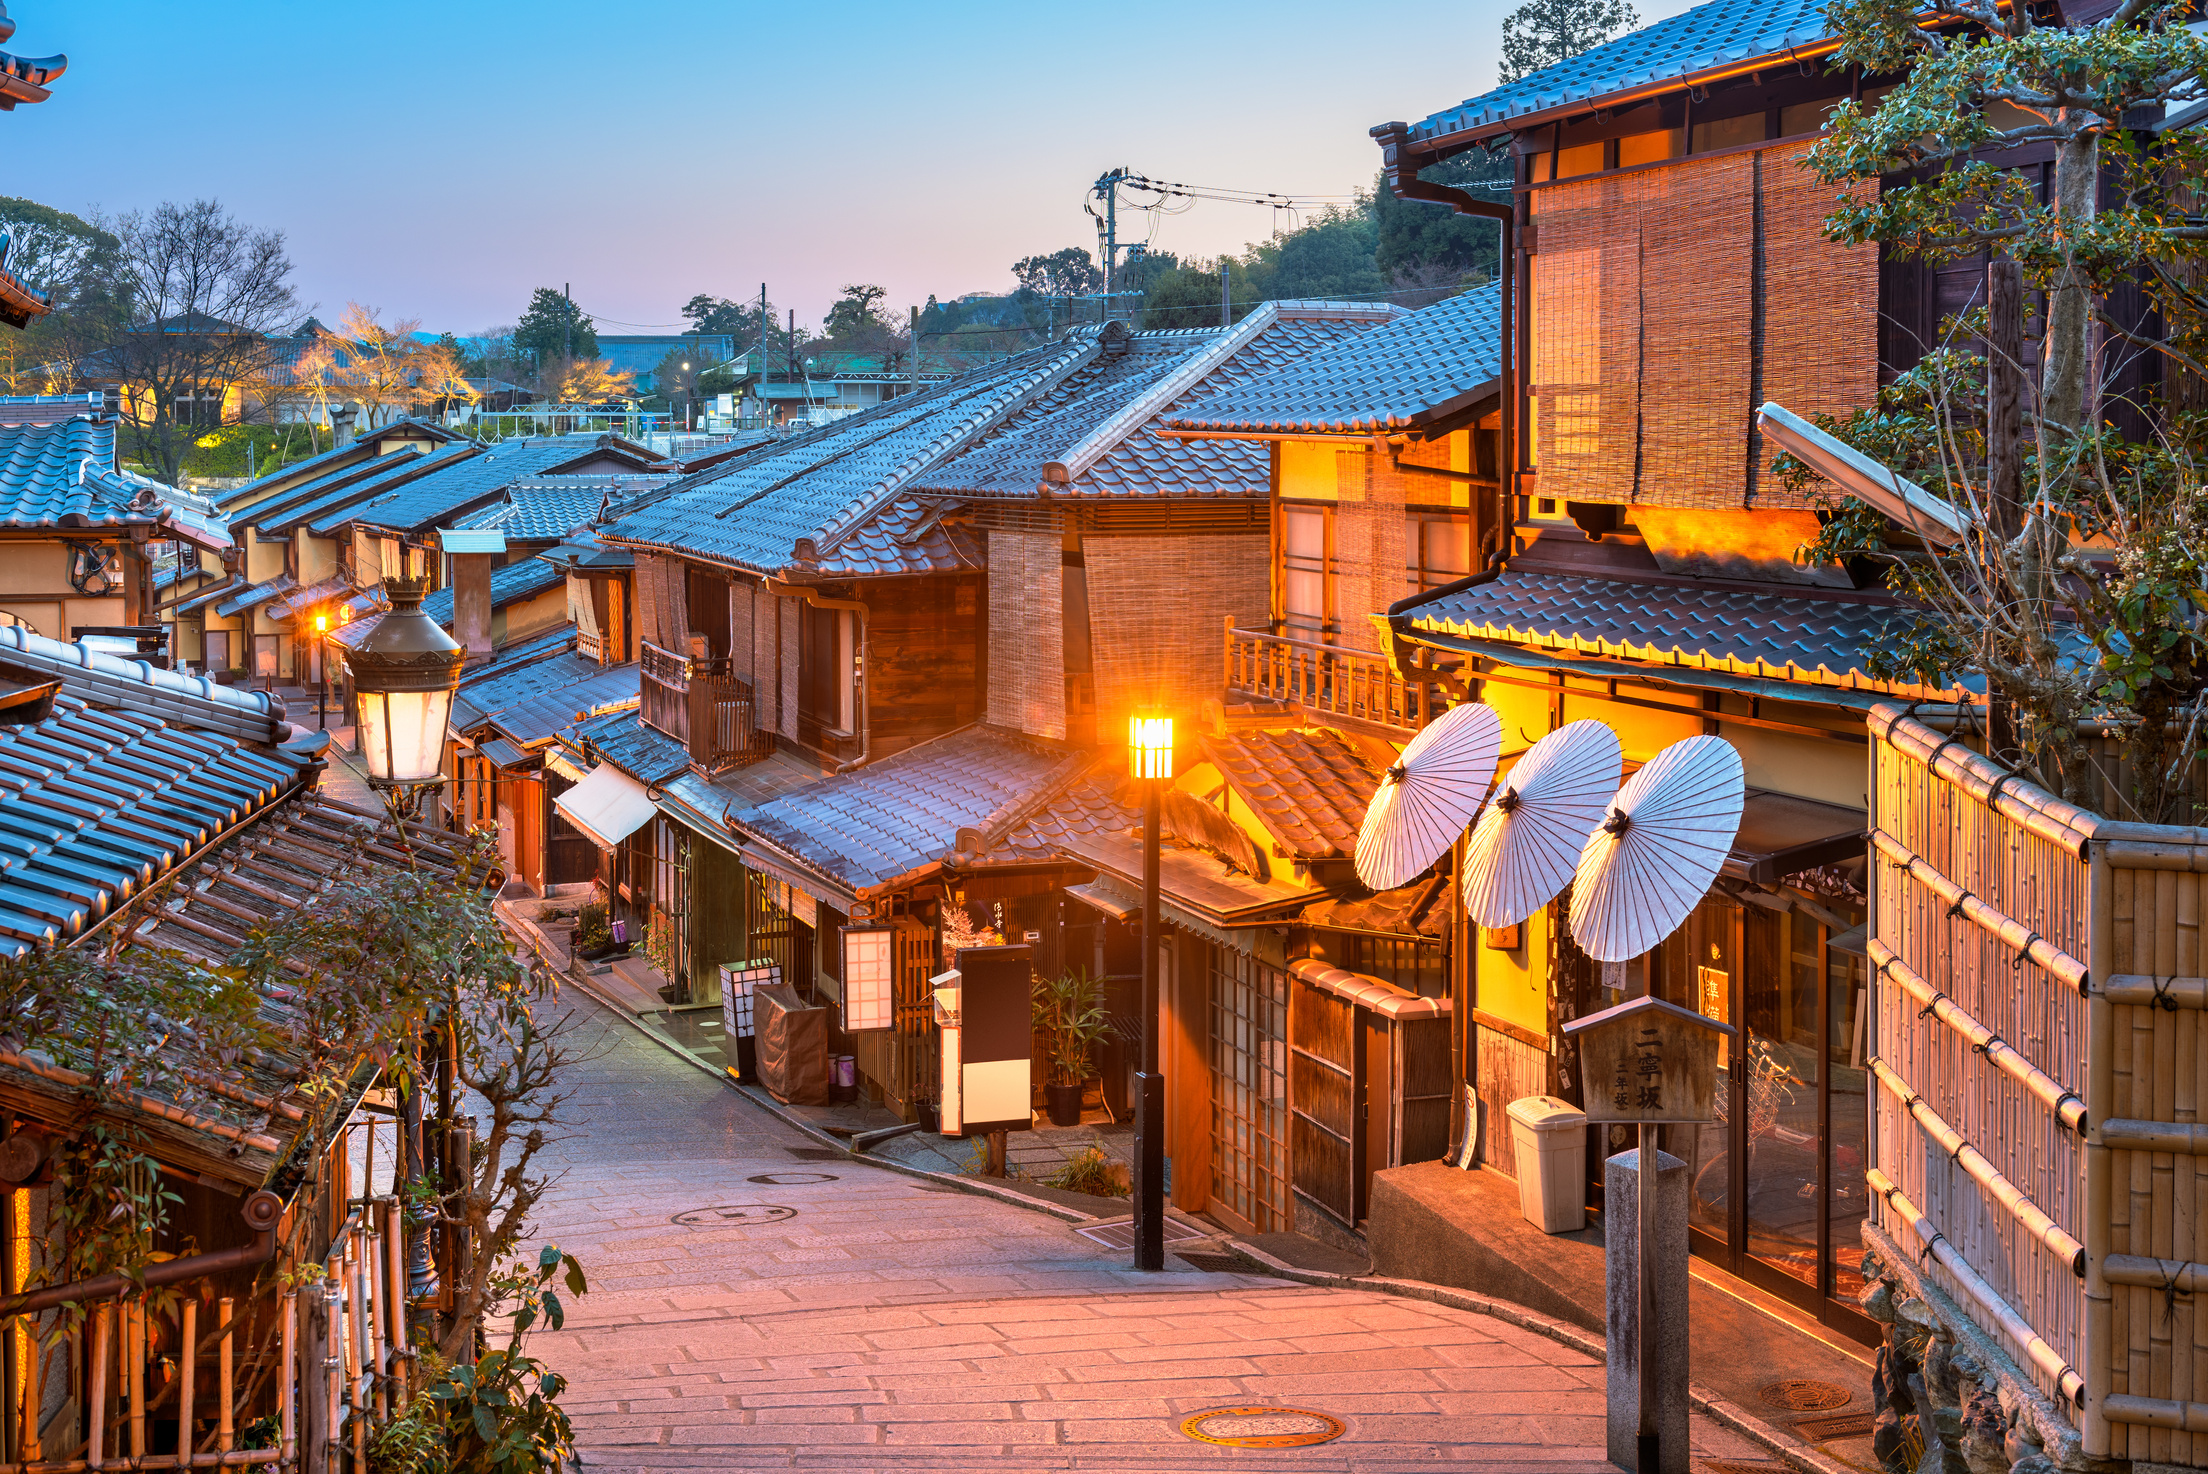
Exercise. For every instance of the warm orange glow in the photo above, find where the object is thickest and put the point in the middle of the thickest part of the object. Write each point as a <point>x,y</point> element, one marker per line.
<point>1150,746</point>
<point>321,623</point>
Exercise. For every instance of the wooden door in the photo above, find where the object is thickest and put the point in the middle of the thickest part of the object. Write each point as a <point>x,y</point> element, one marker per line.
<point>529,833</point>
<point>569,854</point>
<point>1326,1150</point>
<point>1376,1092</point>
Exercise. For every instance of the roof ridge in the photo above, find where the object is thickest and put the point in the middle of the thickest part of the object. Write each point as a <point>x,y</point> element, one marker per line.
<point>1090,448</point>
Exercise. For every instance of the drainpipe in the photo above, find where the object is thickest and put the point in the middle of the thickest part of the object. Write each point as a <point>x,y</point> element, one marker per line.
<point>261,1211</point>
<point>813,596</point>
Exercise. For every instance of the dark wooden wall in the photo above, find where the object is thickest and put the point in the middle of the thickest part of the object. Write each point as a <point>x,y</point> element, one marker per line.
<point>924,657</point>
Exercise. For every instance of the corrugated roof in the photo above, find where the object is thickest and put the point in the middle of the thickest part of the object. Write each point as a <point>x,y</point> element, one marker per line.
<point>1712,35</point>
<point>820,487</point>
<point>880,821</point>
<point>1787,637</point>
<point>1402,375</point>
<point>1309,786</point>
<point>95,803</point>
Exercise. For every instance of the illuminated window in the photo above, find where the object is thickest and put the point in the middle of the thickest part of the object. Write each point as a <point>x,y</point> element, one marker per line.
<point>1439,549</point>
<point>869,978</point>
<point>1728,132</point>
<point>1306,569</point>
<point>1584,159</point>
<point>1648,148</point>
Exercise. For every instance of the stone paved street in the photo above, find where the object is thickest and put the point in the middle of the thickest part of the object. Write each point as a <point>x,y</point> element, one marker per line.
<point>872,1321</point>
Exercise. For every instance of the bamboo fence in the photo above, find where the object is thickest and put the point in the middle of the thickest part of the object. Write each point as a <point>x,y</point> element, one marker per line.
<point>2038,1136</point>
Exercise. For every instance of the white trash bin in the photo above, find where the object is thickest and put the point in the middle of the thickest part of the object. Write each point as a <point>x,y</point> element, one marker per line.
<point>1550,1139</point>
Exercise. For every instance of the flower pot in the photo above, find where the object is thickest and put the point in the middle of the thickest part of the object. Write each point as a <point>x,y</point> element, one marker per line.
<point>1063,1103</point>
<point>931,1115</point>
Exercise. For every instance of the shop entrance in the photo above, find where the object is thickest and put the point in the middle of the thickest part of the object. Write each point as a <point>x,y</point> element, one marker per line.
<point>1778,1195</point>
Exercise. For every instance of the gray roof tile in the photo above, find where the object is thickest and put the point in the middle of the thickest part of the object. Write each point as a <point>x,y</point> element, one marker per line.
<point>622,739</point>
<point>1720,32</point>
<point>62,476</point>
<point>1397,376</point>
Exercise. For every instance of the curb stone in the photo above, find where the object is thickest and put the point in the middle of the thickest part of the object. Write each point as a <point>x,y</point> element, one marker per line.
<point>1798,1455</point>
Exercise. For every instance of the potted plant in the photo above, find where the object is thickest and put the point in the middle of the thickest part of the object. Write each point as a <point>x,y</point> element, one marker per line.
<point>1069,1013</point>
<point>593,937</point>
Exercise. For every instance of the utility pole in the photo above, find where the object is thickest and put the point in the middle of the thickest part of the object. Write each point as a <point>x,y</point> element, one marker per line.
<point>916,350</point>
<point>1226,293</point>
<point>1107,189</point>
<point>567,322</point>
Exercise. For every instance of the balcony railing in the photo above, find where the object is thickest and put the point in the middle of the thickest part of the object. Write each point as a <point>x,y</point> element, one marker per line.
<point>590,645</point>
<point>1325,680</point>
<point>697,701</point>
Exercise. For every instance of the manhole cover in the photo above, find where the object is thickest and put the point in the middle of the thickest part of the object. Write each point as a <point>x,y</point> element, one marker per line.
<point>736,1215</point>
<point>1801,1395</point>
<point>1262,1427</point>
<point>1208,1262</point>
<point>790,1179</point>
<point>816,1153</point>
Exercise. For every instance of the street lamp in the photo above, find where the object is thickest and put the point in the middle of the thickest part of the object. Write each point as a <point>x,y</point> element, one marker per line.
<point>404,675</point>
<point>1150,762</point>
<point>321,671</point>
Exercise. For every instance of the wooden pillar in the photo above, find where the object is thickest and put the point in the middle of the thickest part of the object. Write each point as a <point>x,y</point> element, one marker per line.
<point>1185,1024</point>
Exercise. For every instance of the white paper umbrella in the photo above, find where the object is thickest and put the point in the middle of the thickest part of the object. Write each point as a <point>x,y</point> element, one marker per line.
<point>1426,799</point>
<point>1652,858</point>
<point>1526,844</point>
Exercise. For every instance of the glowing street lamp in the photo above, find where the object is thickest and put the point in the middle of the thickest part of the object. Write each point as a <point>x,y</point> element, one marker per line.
<point>1150,762</point>
<point>404,675</point>
<point>321,671</point>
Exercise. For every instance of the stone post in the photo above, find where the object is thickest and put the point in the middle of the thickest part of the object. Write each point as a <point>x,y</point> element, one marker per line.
<point>1621,1217</point>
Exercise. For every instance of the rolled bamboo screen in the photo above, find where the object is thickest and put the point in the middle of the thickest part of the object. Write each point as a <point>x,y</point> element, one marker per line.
<point>2040,972</point>
<point>1027,663</point>
<point>1645,389</point>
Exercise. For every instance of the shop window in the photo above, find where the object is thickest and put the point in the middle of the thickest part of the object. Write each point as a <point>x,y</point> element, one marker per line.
<point>1728,132</point>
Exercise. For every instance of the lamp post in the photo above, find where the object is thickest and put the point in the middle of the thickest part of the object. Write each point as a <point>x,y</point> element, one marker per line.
<point>1150,762</point>
<point>321,672</point>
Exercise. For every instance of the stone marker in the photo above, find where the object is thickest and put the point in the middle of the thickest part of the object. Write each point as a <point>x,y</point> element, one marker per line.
<point>1621,1232</point>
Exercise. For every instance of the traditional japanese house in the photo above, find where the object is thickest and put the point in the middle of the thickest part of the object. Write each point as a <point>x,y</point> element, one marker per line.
<point>146,811</point>
<point>80,539</point>
<point>1614,544</point>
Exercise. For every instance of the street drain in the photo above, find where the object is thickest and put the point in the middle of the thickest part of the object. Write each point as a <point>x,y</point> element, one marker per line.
<point>1847,1425</point>
<point>1208,1262</point>
<point>1119,1233</point>
<point>1802,1395</point>
<point>790,1179</point>
<point>735,1215</point>
<point>1739,1466</point>
<point>817,1153</point>
<point>1262,1427</point>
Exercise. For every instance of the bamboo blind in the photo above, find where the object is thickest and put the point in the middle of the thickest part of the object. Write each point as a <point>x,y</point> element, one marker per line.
<point>1027,662</point>
<point>2043,884</point>
<point>1147,598</point>
<point>1668,304</point>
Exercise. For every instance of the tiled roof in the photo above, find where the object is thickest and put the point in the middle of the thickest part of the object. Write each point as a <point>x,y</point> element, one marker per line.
<point>510,583</point>
<point>1716,34</point>
<point>351,482</point>
<point>140,686</point>
<point>1308,786</point>
<point>621,738</point>
<point>516,675</point>
<point>822,486</point>
<point>547,508</point>
<point>254,595</point>
<point>880,821</point>
<point>589,690</point>
<point>62,476</point>
<point>94,804</point>
<point>1089,435</point>
<point>1776,636</point>
<point>469,482</point>
<point>907,536</point>
<point>1398,376</point>
<point>364,449</point>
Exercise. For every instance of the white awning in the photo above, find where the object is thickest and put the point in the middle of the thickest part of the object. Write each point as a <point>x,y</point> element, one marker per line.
<point>1933,518</point>
<point>608,806</point>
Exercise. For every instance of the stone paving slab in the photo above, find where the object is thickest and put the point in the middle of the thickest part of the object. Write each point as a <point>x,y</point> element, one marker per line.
<point>958,1331</point>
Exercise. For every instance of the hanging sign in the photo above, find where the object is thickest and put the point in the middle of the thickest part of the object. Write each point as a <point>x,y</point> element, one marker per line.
<point>1649,1061</point>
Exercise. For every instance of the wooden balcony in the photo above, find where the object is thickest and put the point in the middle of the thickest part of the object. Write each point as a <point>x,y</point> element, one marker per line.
<point>590,645</point>
<point>701,704</point>
<point>1326,681</point>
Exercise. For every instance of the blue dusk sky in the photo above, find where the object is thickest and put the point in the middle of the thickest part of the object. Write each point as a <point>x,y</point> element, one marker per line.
<point>440,160</point>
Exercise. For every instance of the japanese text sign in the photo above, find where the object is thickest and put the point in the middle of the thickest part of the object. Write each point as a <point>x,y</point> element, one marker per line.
<point>1649,1061</point>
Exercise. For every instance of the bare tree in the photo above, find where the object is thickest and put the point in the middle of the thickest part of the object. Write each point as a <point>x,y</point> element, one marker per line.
<point>202,293</point>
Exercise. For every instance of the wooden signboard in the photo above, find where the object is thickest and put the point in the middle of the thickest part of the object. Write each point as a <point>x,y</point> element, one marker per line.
<point>1649,1061</point>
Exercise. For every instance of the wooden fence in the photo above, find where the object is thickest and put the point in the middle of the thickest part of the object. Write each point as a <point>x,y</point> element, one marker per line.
<point>2038,1138</point>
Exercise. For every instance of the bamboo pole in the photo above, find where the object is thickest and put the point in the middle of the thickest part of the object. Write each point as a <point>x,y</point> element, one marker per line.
<point>2145,990</point>
<point>2036,1349</point>
<point>2028,1214</point>
<point>287,1399</point>
<point>2098,1348</point>
<point>1986,781</point>
<point>223,1376</point>
<point>2182,1138</point>
<point>2044,1087</point>
<point>372,1268</point>
<point>2012,933</point>
<point>187,1370</point>
<point>134,1370</point>
<point>2182,1275</point>
<point>236,1459</point>
<point>96,1401</point>
<point>34,1355</point>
